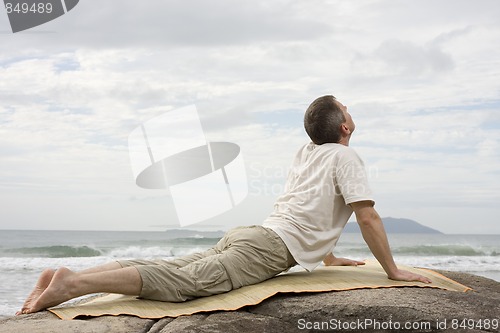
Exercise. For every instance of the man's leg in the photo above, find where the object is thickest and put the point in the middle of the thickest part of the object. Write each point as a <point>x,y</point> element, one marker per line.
<point>42,284</point>
<point>255,254</point>
<point>110,266</point>
<point>47,275</point>
<point>66,285</point>
<point>243,257</point>
<point>169,283</point>
<point>190,258</point>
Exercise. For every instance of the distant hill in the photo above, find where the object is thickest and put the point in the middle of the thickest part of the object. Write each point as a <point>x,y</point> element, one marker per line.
<point>397,226</point>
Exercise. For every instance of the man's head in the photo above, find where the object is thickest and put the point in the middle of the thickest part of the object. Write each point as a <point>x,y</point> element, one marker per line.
<point>327,121</point>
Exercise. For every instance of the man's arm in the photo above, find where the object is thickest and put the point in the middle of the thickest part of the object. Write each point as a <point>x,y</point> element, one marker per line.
<point>375,237</point>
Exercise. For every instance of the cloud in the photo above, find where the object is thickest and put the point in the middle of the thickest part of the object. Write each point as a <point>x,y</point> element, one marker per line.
<point>422,86</point>
<point>398,59</point>
<point>163,24</point>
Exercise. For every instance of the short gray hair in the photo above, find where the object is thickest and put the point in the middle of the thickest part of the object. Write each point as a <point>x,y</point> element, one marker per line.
<point>323,119</point>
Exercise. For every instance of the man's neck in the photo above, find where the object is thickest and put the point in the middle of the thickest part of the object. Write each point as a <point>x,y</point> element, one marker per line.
<point>345,141</point>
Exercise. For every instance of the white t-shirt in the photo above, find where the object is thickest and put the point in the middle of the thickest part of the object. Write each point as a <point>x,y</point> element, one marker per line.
<point>311,214</point>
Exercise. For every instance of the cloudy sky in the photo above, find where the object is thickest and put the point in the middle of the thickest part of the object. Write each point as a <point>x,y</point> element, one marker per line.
<point>421,80</point>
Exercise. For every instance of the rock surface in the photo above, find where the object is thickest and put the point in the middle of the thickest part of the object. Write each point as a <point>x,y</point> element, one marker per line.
<point>375,310</point>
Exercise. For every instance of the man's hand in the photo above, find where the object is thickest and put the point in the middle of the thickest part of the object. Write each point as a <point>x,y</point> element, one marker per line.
<point>402,275</point>
<point>375,237</point>
<point>331,260</point>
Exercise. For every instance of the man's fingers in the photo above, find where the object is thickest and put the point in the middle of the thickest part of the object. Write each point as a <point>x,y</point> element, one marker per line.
<point>342,262</point>
<point>426,280</point>
<point>349,262</point>
<point>422,278</point>
<point>409,276</point>
<point>355,263</point>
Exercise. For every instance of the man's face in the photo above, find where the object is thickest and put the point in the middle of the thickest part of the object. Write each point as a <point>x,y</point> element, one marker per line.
<point>349,123</point>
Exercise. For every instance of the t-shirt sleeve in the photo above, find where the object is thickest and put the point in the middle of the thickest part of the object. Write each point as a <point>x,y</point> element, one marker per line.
<point>352,180</point>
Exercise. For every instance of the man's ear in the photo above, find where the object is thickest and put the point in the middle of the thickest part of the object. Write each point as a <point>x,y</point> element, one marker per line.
<point>345,129</point>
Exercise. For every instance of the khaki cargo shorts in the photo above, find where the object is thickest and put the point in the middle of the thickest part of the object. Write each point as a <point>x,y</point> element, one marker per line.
<point>244,256</point>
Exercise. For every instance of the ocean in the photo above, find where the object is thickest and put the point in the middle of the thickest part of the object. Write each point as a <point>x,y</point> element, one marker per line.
<point>24,254</point>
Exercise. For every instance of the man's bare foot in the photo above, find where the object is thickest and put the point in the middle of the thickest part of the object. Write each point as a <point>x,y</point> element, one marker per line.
<point>42,284</point>
<point>57,292</point>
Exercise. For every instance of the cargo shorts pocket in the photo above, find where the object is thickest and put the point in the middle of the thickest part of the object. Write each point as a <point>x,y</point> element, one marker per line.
<point>209,277</point>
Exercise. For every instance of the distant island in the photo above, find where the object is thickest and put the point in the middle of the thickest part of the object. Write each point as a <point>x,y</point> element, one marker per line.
<point>392,225</point>
<point>396,226</point>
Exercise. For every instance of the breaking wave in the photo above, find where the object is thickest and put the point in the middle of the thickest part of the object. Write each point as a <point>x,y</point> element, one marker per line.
<point>172,248</point>
<point>445,250</point>
<point>55,251</point>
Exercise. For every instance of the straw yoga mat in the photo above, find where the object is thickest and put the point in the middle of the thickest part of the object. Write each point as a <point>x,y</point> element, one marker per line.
<point>322,279</point>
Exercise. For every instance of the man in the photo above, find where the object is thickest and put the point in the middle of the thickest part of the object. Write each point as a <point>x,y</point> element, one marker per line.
<point>326,184</point>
